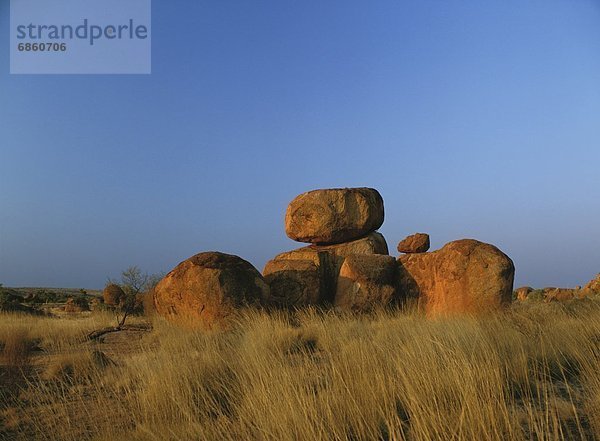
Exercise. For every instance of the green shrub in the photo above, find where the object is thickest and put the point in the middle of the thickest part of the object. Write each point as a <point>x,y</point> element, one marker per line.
<point>82,302</point>
<point>8,299</point>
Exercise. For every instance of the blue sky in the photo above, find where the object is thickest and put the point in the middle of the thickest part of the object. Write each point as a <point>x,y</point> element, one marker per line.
<point>473,119</point>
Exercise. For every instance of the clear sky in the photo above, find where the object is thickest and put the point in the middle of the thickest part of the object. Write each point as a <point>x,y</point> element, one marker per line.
<point>472,118</point>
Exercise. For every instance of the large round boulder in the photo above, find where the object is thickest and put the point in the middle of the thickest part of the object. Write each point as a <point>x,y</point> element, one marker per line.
<point>465,276</point>
<point>204,290</point>
<point>334,215</point>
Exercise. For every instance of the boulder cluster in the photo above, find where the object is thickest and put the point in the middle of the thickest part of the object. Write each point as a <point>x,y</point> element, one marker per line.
<point>552,294</point>
<point>345,265</point>
<point>337,223</point>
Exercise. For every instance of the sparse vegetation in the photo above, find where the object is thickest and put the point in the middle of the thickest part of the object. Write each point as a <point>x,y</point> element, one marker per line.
<point>531,373</point>
<point>16,350</point>
<point>128,297</point>
<point>9,300</point>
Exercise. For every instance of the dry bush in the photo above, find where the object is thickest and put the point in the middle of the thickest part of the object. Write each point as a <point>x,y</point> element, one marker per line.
<point>528,374</point>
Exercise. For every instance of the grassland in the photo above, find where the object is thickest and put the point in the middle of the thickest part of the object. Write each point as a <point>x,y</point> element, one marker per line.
<point>531,373</point>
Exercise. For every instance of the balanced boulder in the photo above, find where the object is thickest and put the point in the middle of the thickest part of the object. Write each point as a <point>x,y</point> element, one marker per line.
<point>334,215</point>
<point>204,290</point>
<point>416,243</point>
<point>366,282</point>
<point>465,276</point>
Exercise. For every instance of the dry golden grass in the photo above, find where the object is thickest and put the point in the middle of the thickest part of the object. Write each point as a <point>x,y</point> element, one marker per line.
<point>53,334</point>
<point>531,373</point>
<point>16,349</point>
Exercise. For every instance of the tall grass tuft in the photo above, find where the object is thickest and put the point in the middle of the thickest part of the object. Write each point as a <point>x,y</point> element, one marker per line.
<point>16,350</point>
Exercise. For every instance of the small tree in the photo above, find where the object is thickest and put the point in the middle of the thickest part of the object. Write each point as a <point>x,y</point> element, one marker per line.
<point>134,283</point>
<point>133,280</point>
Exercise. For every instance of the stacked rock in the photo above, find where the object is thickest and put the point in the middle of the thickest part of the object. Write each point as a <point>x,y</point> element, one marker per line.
<point>337,223</point>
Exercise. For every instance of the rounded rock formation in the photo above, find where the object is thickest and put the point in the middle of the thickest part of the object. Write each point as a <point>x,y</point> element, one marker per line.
<point>73,305</point>
<point>295,283</point>
<point>95,303</point>
<point>334,215</point>
<point>560,294</point>
<point>416,243</point>
<point>465,276</point>
<point>366,282</point>
<point>373,243</point>
<point>593,287</point>
<point>313,279</point>
<point>522,292</point>
<point>113,295</point>
<point>204,290</point>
